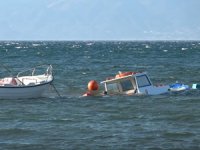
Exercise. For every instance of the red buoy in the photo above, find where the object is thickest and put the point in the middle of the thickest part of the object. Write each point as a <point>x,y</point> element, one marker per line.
<point>93,85</point>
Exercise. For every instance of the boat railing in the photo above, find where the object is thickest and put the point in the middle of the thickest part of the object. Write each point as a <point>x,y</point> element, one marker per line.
<point>38,70</point>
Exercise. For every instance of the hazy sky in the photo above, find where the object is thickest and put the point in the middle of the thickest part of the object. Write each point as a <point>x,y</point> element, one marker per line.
<point>99,19</point>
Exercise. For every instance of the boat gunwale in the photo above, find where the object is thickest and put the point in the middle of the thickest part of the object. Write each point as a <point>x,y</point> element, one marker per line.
<point>28,86</point>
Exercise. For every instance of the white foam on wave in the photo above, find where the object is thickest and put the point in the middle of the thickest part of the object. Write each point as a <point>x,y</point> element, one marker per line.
<point>165,50</point>
<point>76,46</point>
<point>147,46</point>
<point>18,47</point>
<point>89,44</point>
<point>183,49</point>
<point>36,45</point>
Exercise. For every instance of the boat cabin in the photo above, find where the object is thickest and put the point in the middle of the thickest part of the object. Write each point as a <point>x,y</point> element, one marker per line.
<point>132,83</point>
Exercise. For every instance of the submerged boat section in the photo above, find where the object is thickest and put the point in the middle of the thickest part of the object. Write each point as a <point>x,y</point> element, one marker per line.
<point>133,83</point>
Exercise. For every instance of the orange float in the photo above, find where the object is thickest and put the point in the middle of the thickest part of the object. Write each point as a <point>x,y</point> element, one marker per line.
<point>93,85</point>
<point>123,74</point>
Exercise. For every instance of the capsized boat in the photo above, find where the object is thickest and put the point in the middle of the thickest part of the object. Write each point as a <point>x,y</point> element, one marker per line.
<point>178,87</point>
<point>128,83</point>
<point>30,83</point>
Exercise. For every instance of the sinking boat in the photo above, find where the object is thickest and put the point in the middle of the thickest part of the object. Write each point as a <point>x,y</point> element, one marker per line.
<point>128,83</point>
<point>30,83</point>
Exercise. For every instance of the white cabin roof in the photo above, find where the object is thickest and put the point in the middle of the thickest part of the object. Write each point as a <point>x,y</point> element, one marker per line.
<point>113,79</point>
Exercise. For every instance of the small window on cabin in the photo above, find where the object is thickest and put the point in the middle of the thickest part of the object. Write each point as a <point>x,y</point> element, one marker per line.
<point>126,85</point>
<point>143,81</point>
<point>113,88</point>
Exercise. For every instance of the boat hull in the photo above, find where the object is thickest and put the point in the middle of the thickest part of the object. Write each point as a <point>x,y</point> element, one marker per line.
<point>22,92</point>
<point>154,90</point>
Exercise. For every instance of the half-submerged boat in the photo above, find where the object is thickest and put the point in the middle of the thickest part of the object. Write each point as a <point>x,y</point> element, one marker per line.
<point>30,83</point>
<point>128,83</point>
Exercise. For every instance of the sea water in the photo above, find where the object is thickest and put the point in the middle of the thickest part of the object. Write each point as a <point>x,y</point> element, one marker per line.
<point>169,121</point>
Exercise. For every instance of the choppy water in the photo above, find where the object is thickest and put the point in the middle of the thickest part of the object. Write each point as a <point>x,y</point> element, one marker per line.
<point>170,121</point>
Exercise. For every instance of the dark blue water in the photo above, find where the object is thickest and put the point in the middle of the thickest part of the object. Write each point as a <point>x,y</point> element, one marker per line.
<point>170,121</point>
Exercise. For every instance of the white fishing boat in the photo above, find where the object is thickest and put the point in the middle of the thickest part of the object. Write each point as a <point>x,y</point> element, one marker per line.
<point>128,83</point>
<point>30,83</point>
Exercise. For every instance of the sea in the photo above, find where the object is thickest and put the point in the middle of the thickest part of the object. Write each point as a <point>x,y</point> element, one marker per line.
<point>160,122</point>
